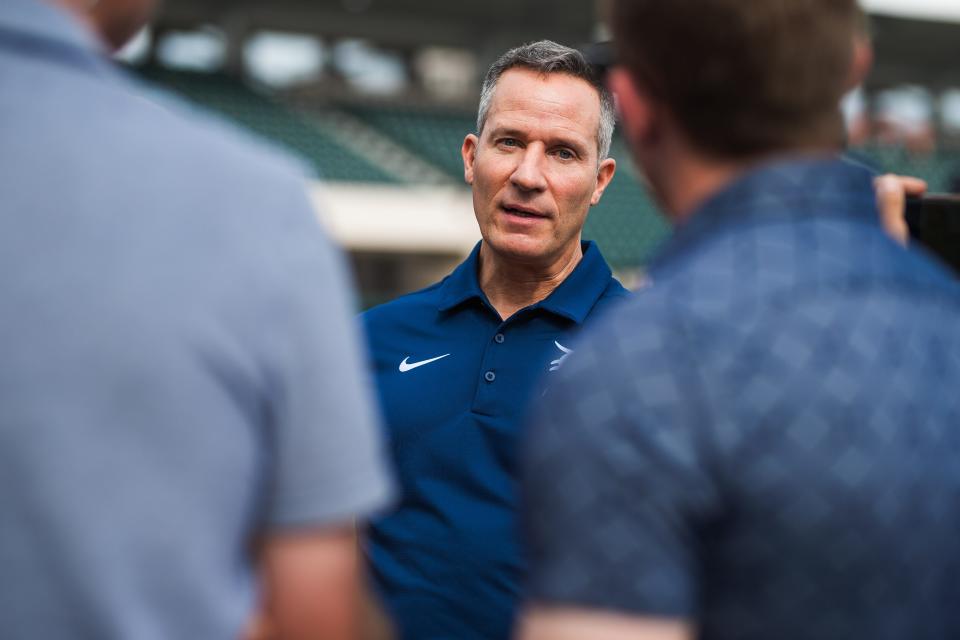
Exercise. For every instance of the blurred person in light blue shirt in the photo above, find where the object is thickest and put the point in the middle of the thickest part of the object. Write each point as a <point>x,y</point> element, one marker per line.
<point>180,394</point>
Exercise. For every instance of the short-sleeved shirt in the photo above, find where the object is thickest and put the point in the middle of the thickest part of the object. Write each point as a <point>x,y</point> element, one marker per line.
<point>454,382</point>
<point>766,440</point>
<point>181,372</point>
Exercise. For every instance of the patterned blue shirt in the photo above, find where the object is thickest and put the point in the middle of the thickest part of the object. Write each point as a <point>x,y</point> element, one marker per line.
<point>767,440</point>
<point>454,382</point>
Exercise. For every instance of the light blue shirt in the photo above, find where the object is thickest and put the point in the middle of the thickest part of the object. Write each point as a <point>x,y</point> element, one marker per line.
<point>179,369</point>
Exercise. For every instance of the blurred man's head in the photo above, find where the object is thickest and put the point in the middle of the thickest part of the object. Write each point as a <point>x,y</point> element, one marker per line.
<point>708,87</point>
<point>742,78</point>
<point>113,21</point>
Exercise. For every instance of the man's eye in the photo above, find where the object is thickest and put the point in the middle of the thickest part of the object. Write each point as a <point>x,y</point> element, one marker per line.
<point>509,142</point>
<point>565,154</point>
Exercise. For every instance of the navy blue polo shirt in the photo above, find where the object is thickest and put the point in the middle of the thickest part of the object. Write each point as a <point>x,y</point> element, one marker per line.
<point>454,382</point>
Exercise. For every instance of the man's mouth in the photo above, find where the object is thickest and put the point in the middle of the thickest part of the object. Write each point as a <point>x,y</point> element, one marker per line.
<point>522,212</point>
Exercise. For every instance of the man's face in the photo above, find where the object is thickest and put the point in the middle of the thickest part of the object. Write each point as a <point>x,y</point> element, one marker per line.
<point>534,168</point>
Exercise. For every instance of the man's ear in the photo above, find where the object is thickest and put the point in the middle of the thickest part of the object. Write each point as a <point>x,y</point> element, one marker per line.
<point>604,175</point>
<point>469,153</point>
<point>634,105</point>
<point>861,61</point>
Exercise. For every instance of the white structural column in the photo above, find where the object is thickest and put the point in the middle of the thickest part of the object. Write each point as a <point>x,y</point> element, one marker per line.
<point>398,219</point>
<point>941,10</point>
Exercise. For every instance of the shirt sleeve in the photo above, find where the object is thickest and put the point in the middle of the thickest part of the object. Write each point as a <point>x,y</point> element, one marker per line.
<point>615,490</point>
<point>327,462</point>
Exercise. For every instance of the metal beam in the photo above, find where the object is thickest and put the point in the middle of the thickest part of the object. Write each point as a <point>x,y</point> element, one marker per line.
<point>401,23</point>
<point>911,51</point>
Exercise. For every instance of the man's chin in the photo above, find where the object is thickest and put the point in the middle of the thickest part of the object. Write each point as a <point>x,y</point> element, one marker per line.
<point>522,250</point>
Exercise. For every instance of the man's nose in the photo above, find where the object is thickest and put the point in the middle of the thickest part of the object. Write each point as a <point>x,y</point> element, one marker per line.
<point>528,174</point>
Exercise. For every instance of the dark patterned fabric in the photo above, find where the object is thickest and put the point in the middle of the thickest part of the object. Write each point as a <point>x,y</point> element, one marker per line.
<point>767,439</point>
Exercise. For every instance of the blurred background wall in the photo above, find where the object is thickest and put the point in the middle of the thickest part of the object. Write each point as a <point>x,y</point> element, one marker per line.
<point>377,95</point>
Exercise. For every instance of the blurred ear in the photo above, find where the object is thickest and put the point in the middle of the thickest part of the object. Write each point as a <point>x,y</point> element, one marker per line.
<point>117,21</point>
<point>861,61</point>
<point>634,105</point>
<point>469,153</point>
<point>604,175</point>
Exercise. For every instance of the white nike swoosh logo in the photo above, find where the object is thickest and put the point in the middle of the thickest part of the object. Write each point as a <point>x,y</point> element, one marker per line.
<point>406,366</point>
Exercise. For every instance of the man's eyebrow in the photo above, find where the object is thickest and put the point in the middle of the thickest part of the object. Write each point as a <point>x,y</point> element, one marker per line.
<point>507,132</point>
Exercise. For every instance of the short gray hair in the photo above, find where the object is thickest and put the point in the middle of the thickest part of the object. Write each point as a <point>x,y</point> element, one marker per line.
<point>546,57</point>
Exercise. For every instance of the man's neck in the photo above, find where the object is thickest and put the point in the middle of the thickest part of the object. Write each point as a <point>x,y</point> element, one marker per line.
<point>511,285</point>
<point>693,178</point>
<point>79,9</point>
<point>691,181</point>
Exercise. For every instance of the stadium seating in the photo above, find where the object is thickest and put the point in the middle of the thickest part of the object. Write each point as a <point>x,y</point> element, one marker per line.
<point>435,135</point>
<point>625,224</point>
<point>940,169</point>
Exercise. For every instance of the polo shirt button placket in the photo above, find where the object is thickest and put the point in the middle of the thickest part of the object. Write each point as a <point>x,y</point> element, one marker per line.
<point>489,376</point>
<point>499,338</point>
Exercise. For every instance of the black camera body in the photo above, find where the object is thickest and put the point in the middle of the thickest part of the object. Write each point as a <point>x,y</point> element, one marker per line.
<point>934,222</point>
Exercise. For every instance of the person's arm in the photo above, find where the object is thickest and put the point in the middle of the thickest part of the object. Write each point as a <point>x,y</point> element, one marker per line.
<point>326,465</point>
<point>312,589</point>
<point>311,586</point>
<point>542,623</point>
<point>375,624</point>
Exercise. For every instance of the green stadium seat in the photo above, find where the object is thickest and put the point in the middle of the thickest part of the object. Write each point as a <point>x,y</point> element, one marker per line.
<point>626,224</point>
<point>939,169</point>
<point>434,135</point>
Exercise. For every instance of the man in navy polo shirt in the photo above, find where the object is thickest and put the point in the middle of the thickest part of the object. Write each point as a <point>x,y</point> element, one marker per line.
<point>456,363</point>
<point>765,442</point>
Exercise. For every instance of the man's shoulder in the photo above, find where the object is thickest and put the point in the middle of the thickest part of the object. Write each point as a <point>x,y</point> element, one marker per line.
<point>155,133</point>
<point>612,297</point>
<point>186,164</point>
<point>646,306</point>
<point>644,324</point>
<point>145,136</point>
<point>614,292</point>
<point>184,128</point>
<point>410,307</point>
<point>784,259</point>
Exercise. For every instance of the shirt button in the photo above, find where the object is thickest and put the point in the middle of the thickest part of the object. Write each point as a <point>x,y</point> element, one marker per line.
<point>489,376</point>
<point>499,338</point>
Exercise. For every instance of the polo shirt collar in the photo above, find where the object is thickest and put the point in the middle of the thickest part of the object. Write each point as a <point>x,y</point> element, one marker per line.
<point>462,284</point>
<point>787,189</point>
<point>573,299</point>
